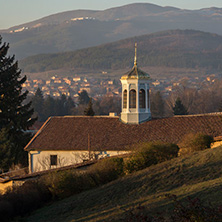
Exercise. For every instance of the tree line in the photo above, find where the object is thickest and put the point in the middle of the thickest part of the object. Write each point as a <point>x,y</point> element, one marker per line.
<point>185,100</point>
<point>50,106</point>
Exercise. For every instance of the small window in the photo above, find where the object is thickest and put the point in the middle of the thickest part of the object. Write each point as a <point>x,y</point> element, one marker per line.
<point>132,98</point>
<point>125,99</point>
<point>53,160</point>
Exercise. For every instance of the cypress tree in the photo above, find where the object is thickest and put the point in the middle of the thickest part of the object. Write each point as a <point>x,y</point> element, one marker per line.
<point>179,108</point>
<point>89,110</point>
<point>49,107</point>
<point>15,117</point>
<point>83,98</point>
<point>70,105</point>
<point>37,104</point>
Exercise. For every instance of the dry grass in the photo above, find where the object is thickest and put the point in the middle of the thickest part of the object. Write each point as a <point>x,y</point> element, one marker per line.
<point>197,175</point>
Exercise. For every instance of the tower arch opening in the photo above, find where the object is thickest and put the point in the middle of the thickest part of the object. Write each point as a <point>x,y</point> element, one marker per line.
<point>125,99</point>
<point>132,98</point>
<point>142,100</point>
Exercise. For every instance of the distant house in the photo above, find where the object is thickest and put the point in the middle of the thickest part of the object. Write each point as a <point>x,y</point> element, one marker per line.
<point>68,140</point>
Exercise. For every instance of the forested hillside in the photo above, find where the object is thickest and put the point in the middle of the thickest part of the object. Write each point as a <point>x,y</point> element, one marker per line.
<point>174,48</point>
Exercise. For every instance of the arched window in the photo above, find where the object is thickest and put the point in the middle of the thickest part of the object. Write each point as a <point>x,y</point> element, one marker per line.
<point>125,99</point>
<point>132,98</point>
<point>148,99</point>
<point>142,98</point>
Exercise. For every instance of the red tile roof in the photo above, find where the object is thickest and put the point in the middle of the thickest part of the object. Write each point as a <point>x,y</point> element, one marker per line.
<point>109,133</point>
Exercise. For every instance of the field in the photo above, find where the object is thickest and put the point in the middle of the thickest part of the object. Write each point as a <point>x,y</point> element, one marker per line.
<point>198,175</point>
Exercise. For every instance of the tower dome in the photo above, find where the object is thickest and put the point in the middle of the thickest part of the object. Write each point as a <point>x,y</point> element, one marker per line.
<point>135,95</point>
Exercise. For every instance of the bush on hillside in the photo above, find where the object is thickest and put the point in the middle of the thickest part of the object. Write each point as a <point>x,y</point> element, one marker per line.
<point>194,142</point>
<point>23,199</point>
<point>65,183</point>
<point>147,154</point>
<point>106,170</point>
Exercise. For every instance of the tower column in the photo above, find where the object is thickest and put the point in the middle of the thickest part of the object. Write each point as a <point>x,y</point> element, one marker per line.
<point>127,106</point>
<point>149,100</point>
<point>137,98</point>
<point>146,97</point>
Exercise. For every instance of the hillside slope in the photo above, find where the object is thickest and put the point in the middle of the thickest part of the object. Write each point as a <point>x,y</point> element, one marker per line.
<point>198,175</point>
<point>78,29</point>
<point>175,48</point>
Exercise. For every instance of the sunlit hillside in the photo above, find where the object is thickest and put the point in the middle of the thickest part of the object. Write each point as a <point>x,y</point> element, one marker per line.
<point>198,175</point>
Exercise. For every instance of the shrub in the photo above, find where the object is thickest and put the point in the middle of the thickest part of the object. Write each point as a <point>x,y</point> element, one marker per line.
<point>106,170</point>
<point>22,199</point>
<point>66,183</point>
<point>194,142</point>
<point>147,154</point>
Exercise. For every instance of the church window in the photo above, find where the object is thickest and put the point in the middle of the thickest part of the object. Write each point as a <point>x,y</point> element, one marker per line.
<point>132,98</point>
<point>125,99</point>
<point>142,98</point>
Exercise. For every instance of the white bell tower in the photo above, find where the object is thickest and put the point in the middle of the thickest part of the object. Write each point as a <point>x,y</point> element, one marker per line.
<point>135,95</point>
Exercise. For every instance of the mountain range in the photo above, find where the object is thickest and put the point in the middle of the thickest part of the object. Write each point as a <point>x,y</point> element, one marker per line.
<point>79,29</point>
<point>174,48</point>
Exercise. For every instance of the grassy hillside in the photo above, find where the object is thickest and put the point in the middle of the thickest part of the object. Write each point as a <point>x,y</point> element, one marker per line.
<point>198,175</point>
<point>176,48</point>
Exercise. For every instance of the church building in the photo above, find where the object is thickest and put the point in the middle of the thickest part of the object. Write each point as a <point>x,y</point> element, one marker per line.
<point>68,140</point>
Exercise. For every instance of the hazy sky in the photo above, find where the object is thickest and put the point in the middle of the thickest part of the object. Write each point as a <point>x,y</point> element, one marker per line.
<point>15,12</point>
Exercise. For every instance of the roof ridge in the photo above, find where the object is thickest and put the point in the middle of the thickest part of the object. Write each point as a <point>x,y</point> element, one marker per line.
<point>200,114</point>
<point>102,116</point>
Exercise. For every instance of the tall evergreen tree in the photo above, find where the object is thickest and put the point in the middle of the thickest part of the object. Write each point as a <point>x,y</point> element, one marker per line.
<point>37,104</point>
<point>70,105</point>
<point>179,108</point>
<point>83,98</point>
<point>60,103</point>
<point>89,110</point>
<point>15,117</point>
<point>49,107</point>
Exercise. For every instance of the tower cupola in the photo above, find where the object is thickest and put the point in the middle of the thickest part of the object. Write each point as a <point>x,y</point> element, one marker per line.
<point>135,95</point>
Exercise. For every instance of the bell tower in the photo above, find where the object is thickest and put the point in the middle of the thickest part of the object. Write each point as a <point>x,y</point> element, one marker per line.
<point>135,95</point>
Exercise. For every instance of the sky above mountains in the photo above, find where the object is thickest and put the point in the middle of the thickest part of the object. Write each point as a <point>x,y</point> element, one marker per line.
<point>15,12</point>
